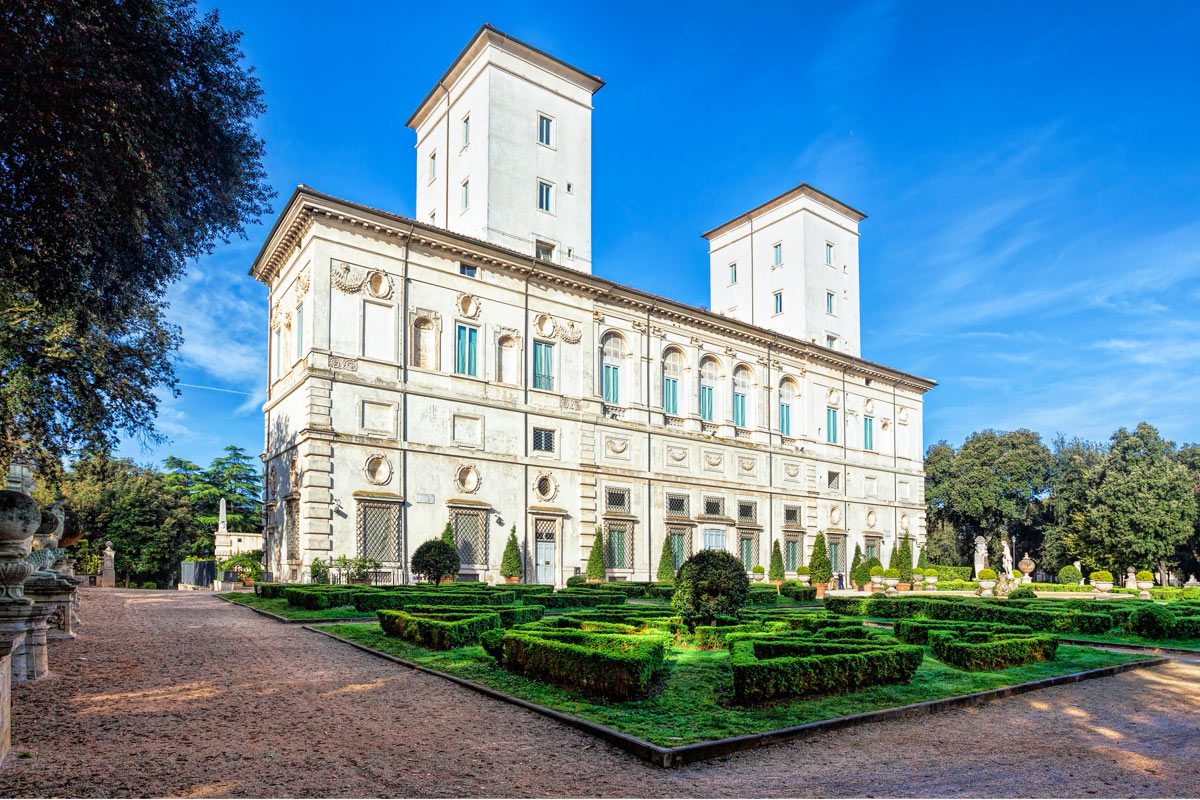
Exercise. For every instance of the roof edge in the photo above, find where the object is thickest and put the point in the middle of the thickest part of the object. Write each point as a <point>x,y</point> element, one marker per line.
<point>804,189</point>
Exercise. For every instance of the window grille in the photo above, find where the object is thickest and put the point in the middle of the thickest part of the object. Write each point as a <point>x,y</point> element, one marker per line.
<point>791,515</point>
<point>470,536</point>
<point>747,511</point>
<point>677,505</point>
<point>618,545</point>
<point>748,548</point>
<point>793,552</point>
<point>714,506</point>
<point>291,529</point>
<point>544,530</point>
<point>616,501</point>
<point>378,529</point>
<point>834,480</point>
<point>543,440</point>
<point>680,537</point>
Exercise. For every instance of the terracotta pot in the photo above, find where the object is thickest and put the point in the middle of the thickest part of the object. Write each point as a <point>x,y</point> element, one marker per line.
<point>903,587</point>
<point>776,584</point>
<point>594,580</point>
<point>820,589</point>
<point>446,580</point>
<point>512,580</point>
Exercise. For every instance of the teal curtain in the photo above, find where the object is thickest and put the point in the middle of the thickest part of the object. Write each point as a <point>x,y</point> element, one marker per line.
<point>831,425</point>
<point>869,433</point>
<point>706,403</point>
<point>747,548</point>
<point>543,366</point>
<point>785,419</point>
<point>612,384</point>
<point>791,554</point>
<point>739,409</point>
<point>670,395</point>
<point>464,356</point>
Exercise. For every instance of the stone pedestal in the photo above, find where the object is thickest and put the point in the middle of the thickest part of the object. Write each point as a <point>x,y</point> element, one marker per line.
<point>56,595</point>
<point>108,570</point>
<point>6,648</point>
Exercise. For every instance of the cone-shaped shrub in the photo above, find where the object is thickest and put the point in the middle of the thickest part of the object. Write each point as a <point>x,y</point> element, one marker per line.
<point>666,562</point>
<point>448,535</point>
<point>776,562</point>
<point>820,568</point>
<point>854,562</point>
<point>510,564</point>
<point>923,559</point>
<point>595,564</point>
<point>906,561</point>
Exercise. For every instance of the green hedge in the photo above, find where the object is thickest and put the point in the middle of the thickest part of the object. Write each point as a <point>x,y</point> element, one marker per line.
<point>374,601</point>
<point>661,590</point>
<point>510,616</point>
<point>769,668</point>
<point>577,598</point>
<point>762,596</point>
<point>269,591</point>
<point>438,631</point>
<point>953,573</point>
<point>316,599</point>
<point>798,591</point>
<point>991,651</point>
<point>1038,615</point>
<point>916,631</point>
<point>956,585</point>
<point>1059,587</point>
<point>613,666</point>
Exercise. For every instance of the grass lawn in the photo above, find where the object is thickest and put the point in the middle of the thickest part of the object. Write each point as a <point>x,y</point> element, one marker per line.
<point>280,606</point>
<point>1107,638</point>
<point>693,703</point>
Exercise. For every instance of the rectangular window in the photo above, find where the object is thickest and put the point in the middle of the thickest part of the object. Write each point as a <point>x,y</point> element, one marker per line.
<point>379,332</point>
<point>777,254</point>
<point>746,552</point>
<point>543,251</point>
<point>714,539</point>
<point>829,300</point>
<point>831,425</point>
<point>616,501</point>
<point>706,403</point>
<point>829,254</point>
<point>791,554</point>
<point>747,511</point>
<point>466,194</point>
<point>433,166</point>
<point>739,409</point>
<point>299,332</point>
<point>466,341</point>
<point>872,551</point>
<point>670,395</point>
<point>831,342</point>
<point>470,536</point>
<point>543,196</point>
<point>714,506</point>
<point>612,384</point>
<point>277,352</point>
<point>733,272</point>
<point>833,480</point>
<point>544,130</point>
<point>543,440</point>
<point>791,515</point>
<point>466,130</point>
<point>835,555</point>
<point>469,271</point>
<point>785,419</point>
<point>543,366</point>
<point>681,545</point>
<point>618,545</point>
<point>677,505</point>
<point>378,530</point>
<point>868,433</point>
<point>778,297</point>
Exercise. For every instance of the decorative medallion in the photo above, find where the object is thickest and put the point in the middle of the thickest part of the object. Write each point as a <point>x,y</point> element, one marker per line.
<point>887,423</point>
<point>570,334</point>
<point>791,470</point>
<point>467,479</point>
<point>833,397</point>
<point>352,279</point>
<point>379,285</point>
<point>616,446</point>
<point>870,519</point>
<point>343,363</point>
<point>713,459</point>
<point>545,488</point>
<point>545,326</point>
<point>835,516</point>
<point>902,416</point>
<point>904,522</point>
<point>467,305</point>
<point>677,454</point>
<point>597,316</point>
<point>746,464</point>
<point>378,469</point>
<point>869,407</point>
<point>569,403</point>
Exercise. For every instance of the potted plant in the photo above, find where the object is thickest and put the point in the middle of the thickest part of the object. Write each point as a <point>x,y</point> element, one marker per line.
<point>758,573</point>
<point>987,582</point>
<point>510,564</point>
<point>931,578</point>
<point>1145,579</point>
<point>876,578</point>
<point>802,575</point>
<point>776,573</point>
<point>1102,580</point>
<point>820,566</point>
<point>360,570</point>
<point>595,562</point>
<point>918,578</point>
<point>891,577</point>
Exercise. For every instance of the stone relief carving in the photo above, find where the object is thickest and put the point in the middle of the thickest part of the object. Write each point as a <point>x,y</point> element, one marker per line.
<point>617,446</point>
<point>835,516</point>
<point>869,407</point>
<point>467,479</point>
<point>569,403</point>
<point>714,459</point>
<point>677,454</point>
<point>467,305</point>
<point>902,416</point>
<point>833,397</point>
<point>904,522</point>
<point>570,334</point>
<point>545,326</point>
<point>746,464</point>
<point>791,470</point>
<point>343,363</point>
<point>352,279</point>
<point>303,282</point>
<point>378,469</point>
<point>870,519</point>
<point>280,319</point>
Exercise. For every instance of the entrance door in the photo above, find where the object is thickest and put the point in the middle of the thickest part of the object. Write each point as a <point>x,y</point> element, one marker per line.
<point>545,561</point>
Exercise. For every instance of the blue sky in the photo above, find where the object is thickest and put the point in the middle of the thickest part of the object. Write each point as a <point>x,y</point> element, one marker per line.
<point>1030,171</point>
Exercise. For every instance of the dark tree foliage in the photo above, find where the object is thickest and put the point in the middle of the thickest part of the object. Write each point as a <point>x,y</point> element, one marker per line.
<point>126,149</point>
<point>233,476</point>
<point>435,560</point>
<point>710,584</point>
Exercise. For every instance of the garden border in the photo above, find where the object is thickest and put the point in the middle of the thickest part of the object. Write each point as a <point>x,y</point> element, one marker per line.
<point>680,755</point>
<point>1137,648</point>
<point>290,621</point>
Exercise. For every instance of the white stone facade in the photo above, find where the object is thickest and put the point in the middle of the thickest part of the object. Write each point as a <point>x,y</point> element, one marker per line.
<point>430,373</point>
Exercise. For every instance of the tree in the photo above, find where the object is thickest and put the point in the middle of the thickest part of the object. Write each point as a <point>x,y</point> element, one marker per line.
<point>126,149</point>
<point>510,562</point>
<point>904,559</point>
<point>1188,554</point>
<point>666,562</point>
<point>233,477</point>
<point>776,573</point>
<point>711,584</point>
<point>595,562</point>
<point>1141,505</point>
<point>923,559</point>
<point>435,560</point>
<point>854,562</point>
<point>448,535</point>
<point>820,567</point>
<point>1075,462</point>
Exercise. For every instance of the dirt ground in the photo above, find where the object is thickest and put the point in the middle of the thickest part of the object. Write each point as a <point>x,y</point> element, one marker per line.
<point>181,694</point>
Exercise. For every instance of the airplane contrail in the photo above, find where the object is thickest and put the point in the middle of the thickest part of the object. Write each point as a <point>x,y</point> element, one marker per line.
<point>215,389</point>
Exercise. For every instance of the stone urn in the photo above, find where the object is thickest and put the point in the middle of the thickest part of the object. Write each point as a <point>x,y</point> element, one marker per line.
<point>1102,586</point>
<point>803,579</point>
<point>891,582</point>
<point>876,583</point>
<point>986,588</point>
<point>72,531</point>
<point>20,518</point>
<point>1145,587</point>
<point>1027,565</point>
<point>930,581</point>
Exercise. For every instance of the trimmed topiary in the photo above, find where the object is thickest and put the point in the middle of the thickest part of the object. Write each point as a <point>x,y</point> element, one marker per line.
<point>1101,576</point>
<point>1152,622</point>
<point>710,585</point>
<point>666,562</point>
<point>877,571</point>
<point>776,573</point>
<point>930,572</point>
<point>819,564</point>
<point>856,561</point>
<point>1022,594</point>
<point>510,563</point>
<point>891,572</point>
<point>1145,575</point>
<point>906,561</point>
<point>1069,574</point>
<point>435,560</point>
<point>923,560</point>
<point>595,562</point>
<point>987,574</point>
<point>577,580</point>
<point>448,535</point>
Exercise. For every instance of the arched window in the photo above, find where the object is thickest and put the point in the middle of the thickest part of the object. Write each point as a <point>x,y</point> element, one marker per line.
<point>787,396</point>
<point>612,354</point>
<point>507,361</point>
<point>672,375</point>
<point>424,354</point>
<point>741,387</point>
<point>710,374</point>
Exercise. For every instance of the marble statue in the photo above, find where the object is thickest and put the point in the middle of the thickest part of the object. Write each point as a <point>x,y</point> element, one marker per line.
<point>1007,559</point>
<point>980,555</point>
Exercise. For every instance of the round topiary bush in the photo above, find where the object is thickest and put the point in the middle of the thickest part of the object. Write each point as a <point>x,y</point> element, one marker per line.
<point>1101,575</point>
<point>1145,575</point>
<point>709,585</point>
<point>1152,622</point>
<point>875,571</point>
<point>930,572</point>
<point>1069,574</point>
<point>892,572</point>
<point>1022,594</point>
<point>987,574</point>
<point>435,560</point>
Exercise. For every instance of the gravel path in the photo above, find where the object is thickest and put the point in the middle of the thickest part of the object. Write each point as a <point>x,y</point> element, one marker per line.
<point>180,694</point>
